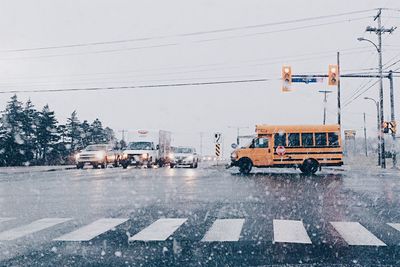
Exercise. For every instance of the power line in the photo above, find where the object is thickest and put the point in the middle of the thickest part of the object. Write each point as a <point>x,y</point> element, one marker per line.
<point>272,61</point>
<point>231,29</point>
<point>283,30</point>
<point>134,86</point>
<point>175,44</point>
<point>360,94</point>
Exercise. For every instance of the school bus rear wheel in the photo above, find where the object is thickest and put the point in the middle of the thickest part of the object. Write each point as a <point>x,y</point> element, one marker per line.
<point>309,166</point>
<point>245,166</point>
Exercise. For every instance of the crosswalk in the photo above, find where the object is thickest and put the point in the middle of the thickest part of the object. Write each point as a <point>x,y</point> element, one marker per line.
<point>221,230</point>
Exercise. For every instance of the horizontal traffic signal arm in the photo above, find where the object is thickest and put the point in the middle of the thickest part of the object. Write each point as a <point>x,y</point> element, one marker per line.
<point>341,76</point>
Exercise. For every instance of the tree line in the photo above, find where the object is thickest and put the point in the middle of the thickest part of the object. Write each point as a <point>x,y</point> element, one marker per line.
<point>32,137</point>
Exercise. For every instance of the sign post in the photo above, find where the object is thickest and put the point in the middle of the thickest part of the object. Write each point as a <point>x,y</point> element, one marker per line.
<point>217,141</point>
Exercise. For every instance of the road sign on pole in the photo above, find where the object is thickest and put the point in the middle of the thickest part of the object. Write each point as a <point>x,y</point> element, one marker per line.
<point>217,141</point>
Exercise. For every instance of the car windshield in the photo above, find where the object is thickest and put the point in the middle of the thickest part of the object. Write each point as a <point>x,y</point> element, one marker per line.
<point>96,148</point>
<point>140,146</point>
<point>184,150</point>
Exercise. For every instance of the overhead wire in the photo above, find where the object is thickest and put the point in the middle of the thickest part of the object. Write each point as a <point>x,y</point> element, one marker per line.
<point>135,86</point>
<point>230,29</point>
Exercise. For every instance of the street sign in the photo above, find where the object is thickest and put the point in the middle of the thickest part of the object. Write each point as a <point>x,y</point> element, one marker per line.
<point>280,150</point>
<point>350,134</point>
<point>217,138</point>
<point>307,80</point>
<point>389,126</point>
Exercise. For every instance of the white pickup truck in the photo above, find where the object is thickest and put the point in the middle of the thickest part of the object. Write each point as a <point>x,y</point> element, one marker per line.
<point>147,149</point>
<point>98,155</point>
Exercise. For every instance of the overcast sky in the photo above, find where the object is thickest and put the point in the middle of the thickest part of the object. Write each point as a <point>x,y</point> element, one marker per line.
<point>162,42</point>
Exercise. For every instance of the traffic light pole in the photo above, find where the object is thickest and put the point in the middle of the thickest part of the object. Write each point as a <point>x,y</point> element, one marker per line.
<point>339,111</point>
<point>392,118</point>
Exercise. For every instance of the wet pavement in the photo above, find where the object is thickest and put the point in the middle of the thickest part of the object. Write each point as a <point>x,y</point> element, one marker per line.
<point>199,217</point>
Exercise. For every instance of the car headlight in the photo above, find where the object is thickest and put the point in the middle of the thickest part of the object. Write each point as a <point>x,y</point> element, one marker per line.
<point>145,156</point>
<point>189,158</point>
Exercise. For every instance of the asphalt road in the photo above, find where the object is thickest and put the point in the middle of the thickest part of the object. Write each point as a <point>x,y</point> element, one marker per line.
<point>199,217</point>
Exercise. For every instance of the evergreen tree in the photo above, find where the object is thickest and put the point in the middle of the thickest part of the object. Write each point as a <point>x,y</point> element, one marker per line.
<point>109,135</point>
<point>47,134</point>
<point>12,135</point>
<point>86,134</point>
<point>73,132</point>
<point>29,125</point>
<point>97,130</point>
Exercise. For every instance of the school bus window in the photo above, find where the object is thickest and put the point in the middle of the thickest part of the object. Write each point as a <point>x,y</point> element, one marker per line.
<point>261,143</point>
<point>333,139</point>
<point>293,139</point>
<point>280,139</point>
<point>307,139</point>
<point>320,139</point>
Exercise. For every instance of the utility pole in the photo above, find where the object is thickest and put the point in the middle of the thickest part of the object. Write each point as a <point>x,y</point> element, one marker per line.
<point>365,137</point>
<point>392,118</point>
<point>325,92</point>
<point>339,112</point>
<point>379,31</point>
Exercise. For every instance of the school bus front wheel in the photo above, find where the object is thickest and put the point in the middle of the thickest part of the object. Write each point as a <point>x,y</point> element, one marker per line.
<point>245,165</point>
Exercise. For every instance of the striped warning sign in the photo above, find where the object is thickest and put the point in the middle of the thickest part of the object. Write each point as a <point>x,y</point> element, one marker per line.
<point>217,150</point>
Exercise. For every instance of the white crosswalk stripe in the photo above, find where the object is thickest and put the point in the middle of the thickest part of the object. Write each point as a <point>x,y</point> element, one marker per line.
<point>31,228</point>
<point>160,230</point>
<point>92,230</point>
<point>395,226</point>
<point>356,235</point>
<point>224,230</point>
<point>6,219</point>
<point>290,231</point>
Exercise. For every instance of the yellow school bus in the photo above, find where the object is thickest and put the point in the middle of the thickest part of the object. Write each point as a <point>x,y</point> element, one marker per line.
<point>307,147</point>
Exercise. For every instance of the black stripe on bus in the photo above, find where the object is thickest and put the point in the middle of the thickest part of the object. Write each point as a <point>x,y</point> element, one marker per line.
<point>303,147</point>
<point>310,152</point>
<point>322,159</point>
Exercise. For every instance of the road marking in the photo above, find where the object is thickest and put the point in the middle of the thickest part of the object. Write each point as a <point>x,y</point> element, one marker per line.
<point>356,235</point>
<point>31,228</point>
<point>290,231</point>
<point>395,226</point>
<point>92,230</point>
<point>6,219</point>
<point>224,230</point>
<point>160,230</point>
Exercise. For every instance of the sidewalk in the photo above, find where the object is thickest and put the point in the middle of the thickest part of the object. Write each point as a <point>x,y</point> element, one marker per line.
<point>33,169</point>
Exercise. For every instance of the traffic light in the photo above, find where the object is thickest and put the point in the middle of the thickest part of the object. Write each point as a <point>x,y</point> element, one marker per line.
<point>286,78</point>
<point>333,75</point>
<point>385,127</point>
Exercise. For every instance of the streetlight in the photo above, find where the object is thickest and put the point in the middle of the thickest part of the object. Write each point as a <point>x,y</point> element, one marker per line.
<point>382,139</point>
<point>378,128</point>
